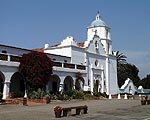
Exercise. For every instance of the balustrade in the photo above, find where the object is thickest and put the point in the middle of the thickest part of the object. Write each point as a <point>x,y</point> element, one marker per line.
<point>13,58</point>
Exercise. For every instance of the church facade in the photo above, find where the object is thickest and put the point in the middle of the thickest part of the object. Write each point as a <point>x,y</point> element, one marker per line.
<point>92,61</point>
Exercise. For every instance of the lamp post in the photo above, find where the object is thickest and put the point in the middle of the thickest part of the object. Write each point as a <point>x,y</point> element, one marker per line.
<point>25,84</point>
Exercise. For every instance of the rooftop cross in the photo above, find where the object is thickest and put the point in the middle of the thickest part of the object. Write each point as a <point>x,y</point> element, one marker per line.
<point>97,16</point>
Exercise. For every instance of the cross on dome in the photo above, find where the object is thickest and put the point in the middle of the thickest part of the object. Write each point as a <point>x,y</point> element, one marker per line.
<point>98,16</point>
<point>98,21</point>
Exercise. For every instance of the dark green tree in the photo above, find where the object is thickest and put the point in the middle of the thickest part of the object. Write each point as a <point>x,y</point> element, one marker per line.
<point>36,68</point>
<point>145,82</point>
<point>121,70</point>
<point>126,70</point>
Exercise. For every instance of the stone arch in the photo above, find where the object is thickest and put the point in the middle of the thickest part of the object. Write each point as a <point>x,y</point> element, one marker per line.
<point>17,85</point>
<point>68,83</point>
<point>54,83</point>
<point>2,79</point>
<point>79,83</point>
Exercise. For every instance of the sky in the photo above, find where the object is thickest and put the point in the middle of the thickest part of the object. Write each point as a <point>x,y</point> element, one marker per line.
<point>32,23</point>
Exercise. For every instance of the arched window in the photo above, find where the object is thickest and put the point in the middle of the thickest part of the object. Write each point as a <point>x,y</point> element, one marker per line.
<point>96,45</point>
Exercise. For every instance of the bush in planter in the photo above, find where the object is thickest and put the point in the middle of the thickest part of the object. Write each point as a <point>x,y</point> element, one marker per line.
<point>54,97</point>
<point>39,94</point>
<point>63,97</point>
<point>75,94</point>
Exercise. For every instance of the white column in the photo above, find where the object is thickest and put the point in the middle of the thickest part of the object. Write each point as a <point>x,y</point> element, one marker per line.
<point>125,97</point>
<point>6,90</point>
<point>107,76</point>
<point>110,97</point>
<point>8,58</point>
<point>102,75</point>
<point>119,97</point>
<point>60,87</point>
<point>91,79</point>
<point>7,83</point>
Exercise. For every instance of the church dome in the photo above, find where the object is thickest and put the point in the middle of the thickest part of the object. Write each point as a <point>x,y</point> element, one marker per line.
<point>98,21</point>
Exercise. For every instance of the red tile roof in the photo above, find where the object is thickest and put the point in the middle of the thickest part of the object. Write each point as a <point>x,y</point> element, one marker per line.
<point>81,44</point>
<point>39,50</point>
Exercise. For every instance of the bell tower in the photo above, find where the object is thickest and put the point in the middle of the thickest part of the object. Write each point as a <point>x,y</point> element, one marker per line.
<point>99,28</point>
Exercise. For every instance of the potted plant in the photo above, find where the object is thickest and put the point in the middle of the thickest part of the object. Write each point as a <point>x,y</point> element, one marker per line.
<point>147,100</point>
<point>143,101</point>
<point>85,109</point>
<point>58,111</point>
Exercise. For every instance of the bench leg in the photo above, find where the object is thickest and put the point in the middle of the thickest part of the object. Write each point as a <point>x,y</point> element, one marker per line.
<point>69,112</point>
<point>85,110</point>
<point>66,112</point>
<point>78,111</point>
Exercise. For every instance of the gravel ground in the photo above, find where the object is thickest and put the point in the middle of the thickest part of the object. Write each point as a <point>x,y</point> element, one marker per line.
<point>97,110</point>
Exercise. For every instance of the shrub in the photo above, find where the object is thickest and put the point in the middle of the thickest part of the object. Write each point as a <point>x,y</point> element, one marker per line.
<point>88,97</point>
<point>98,94</point>
<point>54,97</point>
<point>63,97</point>
<point>1,95</point>
<point>75,94</point>
<point>39,94</point>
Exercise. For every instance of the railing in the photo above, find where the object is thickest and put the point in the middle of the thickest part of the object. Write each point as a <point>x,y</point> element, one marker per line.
<point>57,64</point>
<point>81,67</point>
<point>69,65</point>
<point>3,57</point>
<point>13,58</point>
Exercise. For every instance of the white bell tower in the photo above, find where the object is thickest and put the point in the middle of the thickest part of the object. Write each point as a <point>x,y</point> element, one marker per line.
<point>99,28</point>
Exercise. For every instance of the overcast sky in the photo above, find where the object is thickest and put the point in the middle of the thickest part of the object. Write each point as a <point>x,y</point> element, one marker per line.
<point>33,23</point>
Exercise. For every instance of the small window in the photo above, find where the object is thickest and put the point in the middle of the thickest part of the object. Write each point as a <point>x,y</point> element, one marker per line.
<point>96,63</point>
<point>54,59</point>
<point>96,44</point>
<point>4,51</point>
<point>107,33</point>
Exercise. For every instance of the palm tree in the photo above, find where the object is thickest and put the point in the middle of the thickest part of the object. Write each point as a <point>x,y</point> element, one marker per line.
<point>121,67</point>
<point>121,58</point>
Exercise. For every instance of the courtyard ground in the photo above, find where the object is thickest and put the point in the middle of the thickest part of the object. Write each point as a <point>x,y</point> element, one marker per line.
<point>97,110</point>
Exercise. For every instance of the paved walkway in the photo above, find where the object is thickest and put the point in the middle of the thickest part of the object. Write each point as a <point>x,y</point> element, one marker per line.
<point>98,110</point>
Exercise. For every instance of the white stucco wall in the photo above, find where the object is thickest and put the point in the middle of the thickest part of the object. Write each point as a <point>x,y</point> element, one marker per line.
<point>128,87</point>
<point>64,51</point>
<point>13,50</point>
<point>113,84</point>
<point>78,56</point>
<point>100,31</point>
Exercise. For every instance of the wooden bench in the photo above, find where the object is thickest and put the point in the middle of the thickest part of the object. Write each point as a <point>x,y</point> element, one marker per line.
<point>79,110</point>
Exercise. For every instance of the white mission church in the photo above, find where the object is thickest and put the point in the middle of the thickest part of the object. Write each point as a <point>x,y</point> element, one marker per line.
<point>93,59</point>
